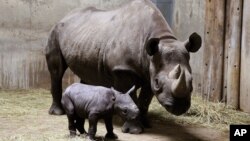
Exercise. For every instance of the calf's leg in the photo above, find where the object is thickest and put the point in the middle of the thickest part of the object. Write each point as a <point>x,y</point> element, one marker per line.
<point>109,126</point>
<point>80,125</point>
<point>69,109</point>
<point>71,122</point>
<point>92,126</point>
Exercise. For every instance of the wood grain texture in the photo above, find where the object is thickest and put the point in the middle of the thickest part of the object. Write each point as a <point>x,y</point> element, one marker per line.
<point>188,17</point>
<point>232,52</point>
<point>213,50</point>
<point>245,59</point>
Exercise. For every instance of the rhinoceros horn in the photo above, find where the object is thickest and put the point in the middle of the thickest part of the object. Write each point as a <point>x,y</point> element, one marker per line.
<point>175,73</point>
<point>179,86</point>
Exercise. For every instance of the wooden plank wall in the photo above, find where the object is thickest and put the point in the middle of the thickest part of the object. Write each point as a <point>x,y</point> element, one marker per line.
<point>220,68</point>
<point>226,53</point>
<point>213,50</point>
<point>245,59</point>
<point>232,52</point>
<point>188,17</point>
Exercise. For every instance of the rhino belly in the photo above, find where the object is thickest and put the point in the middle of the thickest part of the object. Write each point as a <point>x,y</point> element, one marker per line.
<point>90,73</point>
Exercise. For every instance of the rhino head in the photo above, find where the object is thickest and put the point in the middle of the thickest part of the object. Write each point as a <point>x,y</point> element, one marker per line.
<point>124,105</point>
<point>170,71</point>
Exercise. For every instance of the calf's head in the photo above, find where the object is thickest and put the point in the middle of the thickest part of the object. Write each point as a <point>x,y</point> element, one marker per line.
<point>124,104</point>
<point>170,71</point>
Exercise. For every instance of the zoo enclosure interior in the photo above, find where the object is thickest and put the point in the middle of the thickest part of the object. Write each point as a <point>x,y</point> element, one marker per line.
<point>220,68</point>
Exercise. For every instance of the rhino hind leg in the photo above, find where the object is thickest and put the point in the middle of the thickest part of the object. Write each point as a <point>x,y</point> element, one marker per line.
<point>80,125</point>
<point>56,66</point>
<point>71,125</point>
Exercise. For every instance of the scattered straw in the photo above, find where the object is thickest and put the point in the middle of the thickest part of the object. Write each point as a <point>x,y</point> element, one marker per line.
<point>205,113</point>
<point>19,105</point>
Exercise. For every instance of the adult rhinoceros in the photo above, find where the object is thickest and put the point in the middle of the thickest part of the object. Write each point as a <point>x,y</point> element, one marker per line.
<point>130,45</point>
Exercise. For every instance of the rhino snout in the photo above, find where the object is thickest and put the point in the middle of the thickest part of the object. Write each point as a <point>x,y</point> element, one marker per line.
<point>177,106</point>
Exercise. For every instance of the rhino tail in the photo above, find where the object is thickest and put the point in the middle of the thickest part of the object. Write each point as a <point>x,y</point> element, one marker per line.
<point>67,104</point>
<point>52,42</point>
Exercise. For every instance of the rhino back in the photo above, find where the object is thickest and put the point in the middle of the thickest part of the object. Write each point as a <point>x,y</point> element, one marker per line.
<point>93,42</point>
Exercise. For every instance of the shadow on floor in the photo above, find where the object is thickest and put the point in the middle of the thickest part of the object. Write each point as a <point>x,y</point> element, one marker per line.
<point>167,128</point>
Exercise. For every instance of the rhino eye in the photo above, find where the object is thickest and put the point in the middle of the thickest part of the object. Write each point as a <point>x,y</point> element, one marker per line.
<point>125,111</point>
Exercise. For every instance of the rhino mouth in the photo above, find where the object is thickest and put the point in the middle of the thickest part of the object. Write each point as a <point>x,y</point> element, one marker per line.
<point>177,106</point>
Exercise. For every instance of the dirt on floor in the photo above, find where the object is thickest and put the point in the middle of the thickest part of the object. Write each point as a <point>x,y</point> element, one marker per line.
<point>24,116</point>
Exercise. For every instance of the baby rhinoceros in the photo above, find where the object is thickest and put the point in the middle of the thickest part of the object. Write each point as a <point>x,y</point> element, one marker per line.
<point>82,101</point>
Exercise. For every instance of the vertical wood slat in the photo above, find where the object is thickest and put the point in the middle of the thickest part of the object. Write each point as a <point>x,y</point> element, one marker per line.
<point>245,59</point>
<point>213,50</point>
<point>188,17</point>
<point>232,52</point>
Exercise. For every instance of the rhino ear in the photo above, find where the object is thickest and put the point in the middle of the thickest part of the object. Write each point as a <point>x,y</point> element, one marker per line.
<point>131,90</point>
<point>113,97</point>
<point>193,44</point>
<point>152,46</point>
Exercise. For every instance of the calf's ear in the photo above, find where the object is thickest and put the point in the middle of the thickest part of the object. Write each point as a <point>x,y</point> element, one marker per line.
<point>113,90</point>
<point>131,90</point>
<point>113,98</point>
<point>194,42</point>
<point>152,46</point>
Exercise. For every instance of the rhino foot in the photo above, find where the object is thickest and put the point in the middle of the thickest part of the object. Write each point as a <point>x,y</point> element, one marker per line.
<point>72,133</point>
<point>132,127</point>
<point>90,138</point>
<point>111,136</point>
<point>56,109</point>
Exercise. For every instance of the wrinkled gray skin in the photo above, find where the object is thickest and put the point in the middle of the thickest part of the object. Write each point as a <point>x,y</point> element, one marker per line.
<point>130,45</point>
<point>82,101</point>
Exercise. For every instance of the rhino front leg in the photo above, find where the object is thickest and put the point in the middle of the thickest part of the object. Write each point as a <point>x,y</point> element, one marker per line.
<point>144,100</point>
<point>93,119</point>
<point>109,126</point>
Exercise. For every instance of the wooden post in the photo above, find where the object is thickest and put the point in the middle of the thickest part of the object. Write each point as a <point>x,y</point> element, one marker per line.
<point>245,59</point>
<point>213,50</point>
<point>232,52</point>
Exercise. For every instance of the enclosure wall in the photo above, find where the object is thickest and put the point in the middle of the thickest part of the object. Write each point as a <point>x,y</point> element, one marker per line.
<point>219,68</point>
<point>24,29</point>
